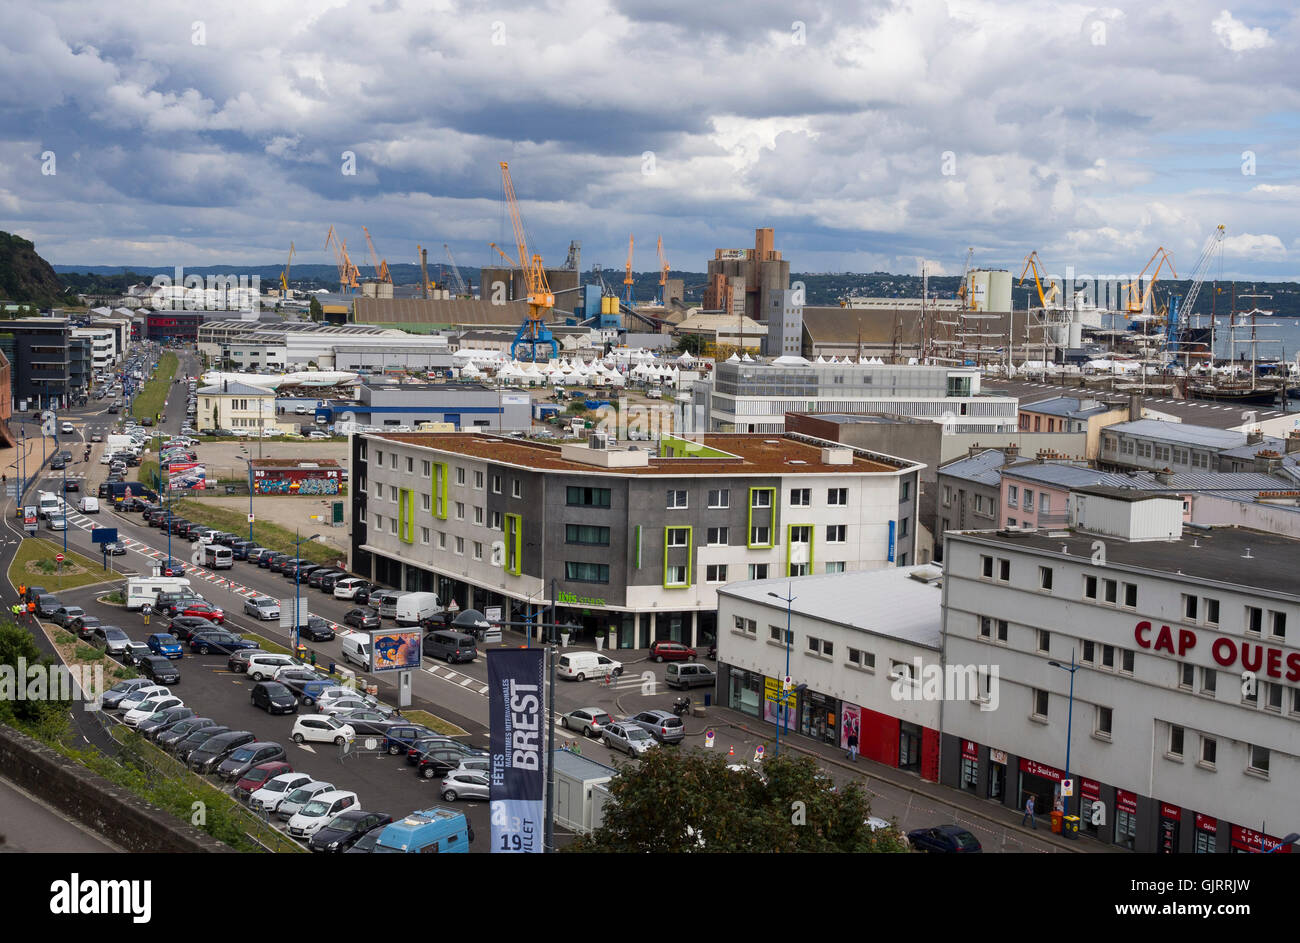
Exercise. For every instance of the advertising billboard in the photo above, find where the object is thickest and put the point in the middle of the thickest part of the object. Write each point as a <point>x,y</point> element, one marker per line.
<point>517,709</point>
<point>395,650</point>
<point>187,476</point>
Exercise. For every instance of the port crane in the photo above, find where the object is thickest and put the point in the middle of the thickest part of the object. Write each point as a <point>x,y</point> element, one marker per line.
<point>1052,295</point>
<point>461,289</point>
<point>380,265</point>
<point>663,274</point>
<point>284,276</point>
<point>1139,303</point>
<point>347,271</point>
<point>627,277</point>
<point>541,300</point>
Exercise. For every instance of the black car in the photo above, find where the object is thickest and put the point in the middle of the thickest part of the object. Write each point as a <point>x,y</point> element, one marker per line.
<point>295,678</point>
<point>274,698</point>
<point>313,579</point>
<point>345,829</point>
<point>160,669</point>
<point>58,463</point>
<point>71,485</point>
<point>317,629</point>
<point>437,762</point>
<point>326,581</point>
<point>84,626</point>
<point>239,549</point>
<point>944,838</point>
<point>146,421</point>
<point>361,619</point>
<point>244,758</point>
<point>196,738</point>
<point>103,489</point>
<point>115,548</point>
<point>218,640</point>
<point>238,660</point>
<point>206,757</point>
<point>155,725</point>
<point>266,559</point>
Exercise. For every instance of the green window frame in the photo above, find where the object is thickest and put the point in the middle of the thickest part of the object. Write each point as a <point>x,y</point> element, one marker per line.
<point>749,528</point>
<point>690,556</point>
<point>812,538</point>
<point>514,533</point>
<point>440,476</point>
<point>406,515</point>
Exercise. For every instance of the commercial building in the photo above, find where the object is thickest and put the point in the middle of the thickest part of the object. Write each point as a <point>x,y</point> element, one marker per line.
<point>173,326</point>
<point>628,544</point>
<point>1076,414</point>
<point>784,320</point>
<point>852,665</point>
<point>237,406</point>
<point>467,406</point>
<point>754,397</point>
<point>1155,445</point>
<point>39,352</point>
<point>1187,690</point>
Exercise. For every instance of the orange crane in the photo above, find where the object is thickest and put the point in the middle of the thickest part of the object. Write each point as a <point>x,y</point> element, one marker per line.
<point>1031,264</point>
<point>380,265</point>
<point>541,300</point>
<point>1137,304</point>
<point>663,273</point>
<point>284,276</point>
<point>627,277</point>
<point>347,271</point>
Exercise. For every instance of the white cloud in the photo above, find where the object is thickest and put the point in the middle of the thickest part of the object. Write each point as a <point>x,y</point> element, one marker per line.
<point>1251,246</point>
<point>1237,36</point>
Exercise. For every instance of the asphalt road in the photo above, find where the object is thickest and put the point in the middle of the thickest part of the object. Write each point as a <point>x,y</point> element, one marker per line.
<point>29,825</point>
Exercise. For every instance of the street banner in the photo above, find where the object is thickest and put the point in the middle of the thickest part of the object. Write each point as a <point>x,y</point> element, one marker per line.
<point>516,690</point>
<point>187,476</point>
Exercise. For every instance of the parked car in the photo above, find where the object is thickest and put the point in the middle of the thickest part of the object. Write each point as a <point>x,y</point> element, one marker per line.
<point>366,722</point>
<point>204,610</point>
<point>84,626</point>
<point>172,567</point>
<point>135,653</point>
<point>361,619</point>
<point>263,667</point>
<point>288,806</point>
<point>218,640</point>
<point>589,721</point>
<point>165,644</point>
<point>159,669</point>
<point>349,587</point>
<point>244,758</point>
<point>305,691</point>
<point>262,608</point>
<point>195,738</point>
<point>110,638</point>
<point>276,789</point>
<point>141,694</point>
<point>149,707</point>
<point>114,548</point>
<point>678,675</point>
<point>313,816</point>
<point>664,726</point>
<point>627,737</point>
<point>465,784</point>
<point>274,698</point>
<point>160,722</point>
<point>114,695</point>
<point>317,629</point>
<point>943,838</point>
<point>671,651</point>
<point>65,615</point>
<point>206,758</point>
<point>184,627</point>
<point>440,742</point>
<point>345,829</point>
<point>400,737</point>
<point>258,777</point>
<point>321,728</point>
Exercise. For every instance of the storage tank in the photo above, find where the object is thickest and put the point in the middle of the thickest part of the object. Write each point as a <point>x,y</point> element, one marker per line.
<point>989,290</point>
<point>1076,332</point>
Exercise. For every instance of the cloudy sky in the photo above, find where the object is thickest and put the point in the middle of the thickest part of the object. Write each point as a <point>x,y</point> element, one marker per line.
<point>870,135</point>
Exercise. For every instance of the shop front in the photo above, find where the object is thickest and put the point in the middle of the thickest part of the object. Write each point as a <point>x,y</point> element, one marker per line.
<point>1171,820</point>
<point>744,691</point>
<point>1206,837</point>
<point>997,775</point>
<point>780,707</point>
<point>817,717</point>
<point>1247,841</point>
<point>1126,823</point>
<point>910,738</point>
<point>1041,782</point>
<point>969,780</point>
<point>1092,812</point>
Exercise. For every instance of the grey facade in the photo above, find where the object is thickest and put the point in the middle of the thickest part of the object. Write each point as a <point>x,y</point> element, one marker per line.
<point>41,360</point>
<point>467,406</point>
<point>784,319</point>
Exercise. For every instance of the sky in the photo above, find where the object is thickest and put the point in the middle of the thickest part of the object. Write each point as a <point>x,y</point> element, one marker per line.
<point>871,136</point>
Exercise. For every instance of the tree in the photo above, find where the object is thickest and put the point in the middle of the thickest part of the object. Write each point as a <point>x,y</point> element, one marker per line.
<point>32,715</point>
<point>674,801</point>
<point>692,344</point>
<point>316,312</point>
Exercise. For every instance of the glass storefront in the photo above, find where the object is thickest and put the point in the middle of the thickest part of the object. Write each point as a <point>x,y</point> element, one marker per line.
<point>745,691</point>
<point>817,718</point>
<point>909,747</point>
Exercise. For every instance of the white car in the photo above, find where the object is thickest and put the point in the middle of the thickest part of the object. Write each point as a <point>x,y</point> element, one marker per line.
<point>274,791</point>
<point>142,710</point>
<point>336,694</point>
<point>317,434</point>
<point>324,806</point>
<point>68,429</point>
<point>262,608</point>
<point>140,695</point>
<point>105,459</point>
<point>263,667</point>
<point>342,704</point>
<point>320,728</point>
<point>348,588</point>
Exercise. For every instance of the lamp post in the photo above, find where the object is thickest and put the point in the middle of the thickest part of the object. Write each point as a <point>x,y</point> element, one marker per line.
<point>1069,725</point>
<point>789,599</point>
<point>297,581</point>
<point>249,460</point>
<point>1285,842</point>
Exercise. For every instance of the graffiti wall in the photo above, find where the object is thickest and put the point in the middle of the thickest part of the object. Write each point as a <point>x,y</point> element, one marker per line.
<point>296,486</point>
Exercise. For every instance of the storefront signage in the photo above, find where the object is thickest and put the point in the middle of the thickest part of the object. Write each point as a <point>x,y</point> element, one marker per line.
<point>970,750</point>
<point>1206,824</point>
<point>571,599</point>
<point>998,756</point>
<point>1168,811</point>
<point>1038,769</point>
<point>1228,652</point>
<point>1126,801</point>
<point>773,697</point>
<point>1248,839</point>
<point>1090,790</point>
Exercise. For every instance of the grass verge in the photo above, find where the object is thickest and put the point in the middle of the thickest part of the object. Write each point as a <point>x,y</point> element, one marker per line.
<point>267,535</point>
<point>265,644</point>
<point>39,552</point>
<point>150,400</point>
<point>434,722</point>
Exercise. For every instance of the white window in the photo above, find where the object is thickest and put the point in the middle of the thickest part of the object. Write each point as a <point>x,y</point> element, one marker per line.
<point>460,475</point>
<point>835,567</point>
<point>676,500</point>
<point>720,498</point>
<point>460,510</point>
<point>478,550</point>
<point>758,571</point>
<point>837,497</point>
<point>1029,499</point>
<point>496,484</point>
<point>392,525</point>
<point>1044,503</point>
<point>478,481</point>
<point>760,536</point>
<point>410,465</point>
<point>426,469</point>
<point>718,536</point>
<point>837,533</point>
<point>762,498</point>
<point>801,497</point>
<point>392,493</point>
<point>678,536</point>
<point>460,545</point>
<point>1013,495</point>
<point>478,516</point>
<point>424,535</point>
<point>675,575</point>
<point>425,502</point>
<point>715,573</point>
<point>379,522</point>
<point>442,540</point>
<point>516,488</point>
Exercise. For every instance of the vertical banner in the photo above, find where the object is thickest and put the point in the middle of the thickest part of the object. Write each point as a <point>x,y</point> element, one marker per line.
<point>892,526</point>
<point>852,724</point>
<point>518,709</point>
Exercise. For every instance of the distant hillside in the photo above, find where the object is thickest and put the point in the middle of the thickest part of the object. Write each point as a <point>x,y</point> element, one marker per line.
<point>25,277</point>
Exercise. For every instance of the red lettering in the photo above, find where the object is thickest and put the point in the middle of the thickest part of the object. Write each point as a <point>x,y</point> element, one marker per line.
<point>1274,668</point>
<point>1252,664</point>
<point>1165,640</point>
<point>1224,651</point>
<point>1186,640</point>
<point>1293,666</point>
<point>1140,631</point>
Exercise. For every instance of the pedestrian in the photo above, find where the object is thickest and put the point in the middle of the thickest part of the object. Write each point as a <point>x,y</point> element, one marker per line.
<point>853,746</point>
<point>1029,813</point>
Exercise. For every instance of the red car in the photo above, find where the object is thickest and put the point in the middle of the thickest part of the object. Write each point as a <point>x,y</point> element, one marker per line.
<point>671,651</point>
<point>204,610</point>
<point>259,776</point>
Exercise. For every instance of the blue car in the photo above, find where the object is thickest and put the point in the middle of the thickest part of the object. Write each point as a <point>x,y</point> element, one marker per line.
<point>400,737</point>
<point>163,643</point>
<point>218,640</point>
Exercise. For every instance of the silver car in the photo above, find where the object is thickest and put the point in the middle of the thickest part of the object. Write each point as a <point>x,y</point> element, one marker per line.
<point>465,784</point>
<point>294,802</point>
<point>262,608</point>
<point>627,737</point>
<point>589,721</point>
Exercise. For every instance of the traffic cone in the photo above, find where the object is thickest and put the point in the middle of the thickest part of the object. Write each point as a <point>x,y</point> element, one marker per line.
<point>731,751</point>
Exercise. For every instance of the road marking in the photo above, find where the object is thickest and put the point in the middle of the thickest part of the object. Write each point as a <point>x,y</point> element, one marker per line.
<point>303,746</point>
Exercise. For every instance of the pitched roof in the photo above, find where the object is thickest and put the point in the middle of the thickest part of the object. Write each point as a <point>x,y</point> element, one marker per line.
<point>984,468</point>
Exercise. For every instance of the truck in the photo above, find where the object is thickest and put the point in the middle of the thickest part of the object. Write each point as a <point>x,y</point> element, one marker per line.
<point>145,589</point>
<point>120,443</point>
<point>411,608</point>
<point>428,831</point>
<point>48,505</point>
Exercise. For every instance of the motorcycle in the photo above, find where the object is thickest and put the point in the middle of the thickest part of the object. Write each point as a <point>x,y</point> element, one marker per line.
<point>682,706</point>
<point>713,653</point>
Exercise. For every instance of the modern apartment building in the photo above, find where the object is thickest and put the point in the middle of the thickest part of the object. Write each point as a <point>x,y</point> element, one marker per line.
<point>629,544</point>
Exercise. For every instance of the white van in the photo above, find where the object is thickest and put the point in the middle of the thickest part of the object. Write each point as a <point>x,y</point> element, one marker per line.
<point>88,505</point>
<point>217,557</point>
<point>49,504</point>
<point>412,607</point>
<point>356,649</point>
<point>145,589</point>
<point>579,666</point>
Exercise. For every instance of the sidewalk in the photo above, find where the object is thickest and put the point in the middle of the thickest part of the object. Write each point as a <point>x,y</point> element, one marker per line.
<point>867,770</point>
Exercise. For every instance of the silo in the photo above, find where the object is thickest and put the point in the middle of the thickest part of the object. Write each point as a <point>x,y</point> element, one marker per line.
<point>1076,332</point>
<point>994,287</point>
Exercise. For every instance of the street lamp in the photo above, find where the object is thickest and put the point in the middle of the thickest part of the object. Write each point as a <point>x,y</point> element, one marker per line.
<point>785,695</point>
<point>1069,724</point>
<point>1285,842</point>
<point>297,581</point>
<point>249,460</point>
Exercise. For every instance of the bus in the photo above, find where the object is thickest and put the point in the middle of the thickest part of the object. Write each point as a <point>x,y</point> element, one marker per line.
<point>217,557</point>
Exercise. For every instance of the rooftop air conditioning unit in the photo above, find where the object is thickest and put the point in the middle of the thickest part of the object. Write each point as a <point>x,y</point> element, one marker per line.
<point>598,440</point>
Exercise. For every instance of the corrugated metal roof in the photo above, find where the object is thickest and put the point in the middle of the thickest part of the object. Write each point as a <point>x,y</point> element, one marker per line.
<point>984,468</point>
<point>1180,433</point>
<point>1073,475</point>
<point>431,311</point>
<point>900,607</point>
<point>1069,406</point>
